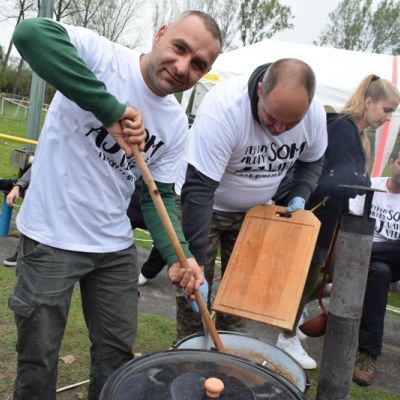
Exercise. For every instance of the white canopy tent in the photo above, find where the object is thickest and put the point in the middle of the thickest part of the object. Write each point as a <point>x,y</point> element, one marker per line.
<point>338,73</point>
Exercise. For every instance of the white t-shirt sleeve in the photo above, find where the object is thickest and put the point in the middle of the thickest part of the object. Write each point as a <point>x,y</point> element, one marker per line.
<point>210,145</point>
<point>165,169</point>
<point>316,127</point>
<point>356,205</point>
<point>92,48</point>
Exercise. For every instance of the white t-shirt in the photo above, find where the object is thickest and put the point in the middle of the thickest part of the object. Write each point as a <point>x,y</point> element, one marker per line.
<point>385,209</point>
<point>229,146</point>
<point>81,180</point>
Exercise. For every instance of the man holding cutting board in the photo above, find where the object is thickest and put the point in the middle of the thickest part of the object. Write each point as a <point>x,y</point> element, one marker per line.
<point>247,133</point>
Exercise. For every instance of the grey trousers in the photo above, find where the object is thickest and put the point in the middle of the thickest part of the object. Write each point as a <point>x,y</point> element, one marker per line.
<point>41,300</point>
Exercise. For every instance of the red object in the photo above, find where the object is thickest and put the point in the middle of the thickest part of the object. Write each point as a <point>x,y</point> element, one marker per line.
<point>385,129</point>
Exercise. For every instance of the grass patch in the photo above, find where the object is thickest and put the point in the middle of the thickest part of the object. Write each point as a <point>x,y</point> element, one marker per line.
<point>394,299</point>
<point>13,127</point>
<point>155,333</point>
<point>12,122</point>
<point>143,239</point>
<point>356,393</point>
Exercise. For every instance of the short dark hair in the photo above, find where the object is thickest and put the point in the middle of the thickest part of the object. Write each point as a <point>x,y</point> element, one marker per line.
<point>209,22</point>
<point>292,70</point>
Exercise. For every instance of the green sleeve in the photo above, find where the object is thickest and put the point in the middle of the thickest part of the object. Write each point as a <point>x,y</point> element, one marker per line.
<point>46,47</point>
<point>155,226</point>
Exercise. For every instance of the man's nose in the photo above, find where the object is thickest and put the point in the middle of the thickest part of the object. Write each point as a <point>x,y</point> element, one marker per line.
<point>279,127</point>
<point>388,116</point>
<point>182,65</point>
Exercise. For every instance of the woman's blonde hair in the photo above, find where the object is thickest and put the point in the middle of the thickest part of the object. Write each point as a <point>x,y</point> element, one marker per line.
<point>376,88</point>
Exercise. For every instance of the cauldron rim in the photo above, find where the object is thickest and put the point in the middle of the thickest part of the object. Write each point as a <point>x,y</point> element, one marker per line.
<point>222,333</point>
<point>191,354</point>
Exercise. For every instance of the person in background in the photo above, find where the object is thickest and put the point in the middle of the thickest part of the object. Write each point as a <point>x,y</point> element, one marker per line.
<point>73,221</point>
<point>155,262</point>
<point>247,133</point>
<point>347,161</point>
<point>383,268</point>
<point>16,190</point>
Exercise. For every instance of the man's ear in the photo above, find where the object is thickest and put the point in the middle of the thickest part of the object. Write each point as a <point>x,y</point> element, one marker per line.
<point>160,33</point>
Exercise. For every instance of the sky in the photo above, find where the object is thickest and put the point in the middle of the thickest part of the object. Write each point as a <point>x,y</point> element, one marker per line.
<point>311,16</point>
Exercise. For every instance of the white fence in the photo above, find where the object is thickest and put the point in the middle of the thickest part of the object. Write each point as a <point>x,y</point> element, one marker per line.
<point>22,105</point>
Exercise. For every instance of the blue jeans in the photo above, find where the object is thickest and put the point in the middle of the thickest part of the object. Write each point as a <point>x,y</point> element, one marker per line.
<point>41,299</point>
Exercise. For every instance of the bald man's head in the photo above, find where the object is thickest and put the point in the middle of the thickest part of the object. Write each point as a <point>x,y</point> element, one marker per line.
<point>285,94</point>
<point>291,73</point>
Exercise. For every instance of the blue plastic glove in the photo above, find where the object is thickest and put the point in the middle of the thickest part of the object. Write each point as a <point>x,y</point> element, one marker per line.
<point>297,203</point>
<point>204,294</point>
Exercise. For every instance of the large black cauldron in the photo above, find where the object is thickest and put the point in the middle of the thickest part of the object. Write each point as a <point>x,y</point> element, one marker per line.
<point>180,375</point>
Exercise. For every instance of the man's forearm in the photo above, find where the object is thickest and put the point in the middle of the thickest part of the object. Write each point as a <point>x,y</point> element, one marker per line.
<point>155,226</point>
<point>197,200</point>
<point>305,178</point>
<point>25,179</point>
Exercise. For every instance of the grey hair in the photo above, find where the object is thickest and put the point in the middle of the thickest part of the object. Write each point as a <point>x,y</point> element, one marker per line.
<point>209,22</point>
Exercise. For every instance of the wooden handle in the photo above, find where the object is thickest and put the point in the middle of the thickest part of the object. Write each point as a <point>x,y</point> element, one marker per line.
<point>166,221</point>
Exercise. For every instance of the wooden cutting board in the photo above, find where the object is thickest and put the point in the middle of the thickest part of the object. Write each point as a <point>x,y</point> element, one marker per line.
<point>267,270</point>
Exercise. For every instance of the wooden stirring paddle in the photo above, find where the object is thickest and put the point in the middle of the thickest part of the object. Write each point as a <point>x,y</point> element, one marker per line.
<point>166,221</point>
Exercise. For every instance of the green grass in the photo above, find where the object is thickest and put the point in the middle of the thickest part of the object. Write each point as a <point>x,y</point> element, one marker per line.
<point>15,127</point>
<point>143,239</point>
<point>155,333</point>
<point>357,392</point>
<point>394,299</point>
<point>14,124</point>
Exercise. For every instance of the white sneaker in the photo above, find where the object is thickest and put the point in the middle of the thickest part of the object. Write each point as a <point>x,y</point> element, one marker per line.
<point>142,280</point>
<point>293,347</point>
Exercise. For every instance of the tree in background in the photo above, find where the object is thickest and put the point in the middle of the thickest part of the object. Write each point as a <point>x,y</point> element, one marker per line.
<point>62,9</point>
<point>81,12</point>
<point>17,10</point>
<point>16,78</point>
<point>246,21</point>
<point>116,18</point>
<point>109,18</point>
<point>259,19</point>
<point>354,25</point>
<point>225,13</point>
<point>164,11</point>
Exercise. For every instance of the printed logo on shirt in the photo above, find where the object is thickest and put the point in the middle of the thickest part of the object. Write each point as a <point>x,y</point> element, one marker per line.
<point>387,222</point>
<point>110,151</point>
<point>269,160</point>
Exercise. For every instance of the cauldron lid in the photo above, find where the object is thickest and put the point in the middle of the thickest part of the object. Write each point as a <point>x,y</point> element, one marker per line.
<point>180,375</point>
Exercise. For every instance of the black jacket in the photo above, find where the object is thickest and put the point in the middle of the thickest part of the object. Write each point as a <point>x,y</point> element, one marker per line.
<point>344,164</point>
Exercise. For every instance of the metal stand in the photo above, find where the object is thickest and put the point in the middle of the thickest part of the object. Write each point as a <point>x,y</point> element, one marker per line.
<point>351,263</point>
